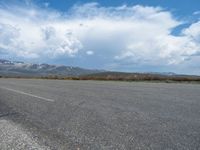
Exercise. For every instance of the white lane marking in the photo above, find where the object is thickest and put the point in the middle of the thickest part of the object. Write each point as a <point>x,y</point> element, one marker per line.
<point>20,92</point>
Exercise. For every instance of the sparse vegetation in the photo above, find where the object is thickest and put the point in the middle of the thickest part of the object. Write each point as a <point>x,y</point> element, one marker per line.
<point>120,76</point>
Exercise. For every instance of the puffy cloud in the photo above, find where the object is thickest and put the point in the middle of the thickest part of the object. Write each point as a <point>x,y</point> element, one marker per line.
<point>196,13</point>
<point>89,52</point>
<point>60,42</point>
<point>34,33</point>
<point>8,35</point>
<point>193,32</point>
<point>128,35</point>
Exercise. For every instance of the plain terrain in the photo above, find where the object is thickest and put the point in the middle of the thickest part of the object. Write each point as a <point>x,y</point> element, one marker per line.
<point>59,114</point>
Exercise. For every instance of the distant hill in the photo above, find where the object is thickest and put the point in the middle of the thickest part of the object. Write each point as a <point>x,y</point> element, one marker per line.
<point>122,76</point>
<point>22,69</point>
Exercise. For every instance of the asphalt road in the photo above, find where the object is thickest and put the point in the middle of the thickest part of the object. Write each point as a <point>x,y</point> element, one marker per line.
<point>53,114</point>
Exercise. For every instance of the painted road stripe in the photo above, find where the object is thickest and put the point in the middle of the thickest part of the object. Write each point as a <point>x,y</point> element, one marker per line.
<point>35,96</point>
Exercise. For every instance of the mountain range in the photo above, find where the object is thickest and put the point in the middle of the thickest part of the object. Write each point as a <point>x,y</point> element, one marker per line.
<point>22,69</point>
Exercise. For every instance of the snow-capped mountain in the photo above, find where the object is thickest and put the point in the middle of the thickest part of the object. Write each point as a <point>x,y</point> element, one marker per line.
<point>18,68</point>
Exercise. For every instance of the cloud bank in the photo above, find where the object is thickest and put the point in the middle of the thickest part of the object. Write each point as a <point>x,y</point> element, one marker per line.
<point>116,37</point>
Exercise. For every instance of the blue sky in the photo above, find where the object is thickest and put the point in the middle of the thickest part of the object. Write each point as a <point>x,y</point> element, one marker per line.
<point>182,9</point>
<point>132,35</point>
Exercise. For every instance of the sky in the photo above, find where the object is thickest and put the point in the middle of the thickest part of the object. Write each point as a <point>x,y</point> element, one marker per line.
<point>118,35</point>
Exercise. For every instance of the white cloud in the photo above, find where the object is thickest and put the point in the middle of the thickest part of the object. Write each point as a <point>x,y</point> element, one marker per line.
<point>196,13</point>
<point>193,32</point>
<point>37,36</point>
<point>89,52</point>
<point>133,34</point>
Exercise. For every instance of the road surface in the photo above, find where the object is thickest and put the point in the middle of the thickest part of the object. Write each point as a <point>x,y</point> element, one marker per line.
<point>55,114</point>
